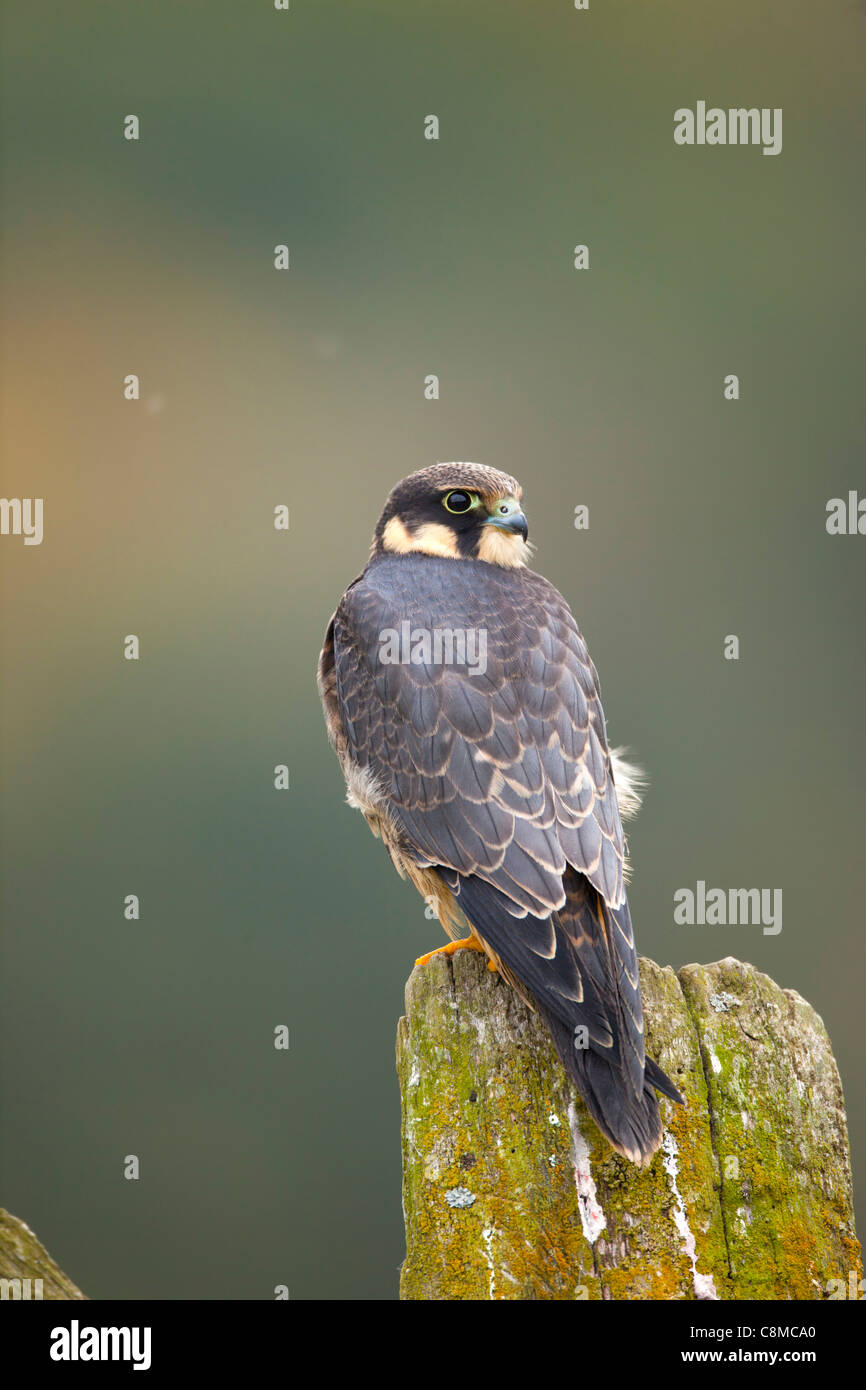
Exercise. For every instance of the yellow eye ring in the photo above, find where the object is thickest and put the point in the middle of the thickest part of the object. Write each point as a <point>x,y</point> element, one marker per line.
<point>459,502</point>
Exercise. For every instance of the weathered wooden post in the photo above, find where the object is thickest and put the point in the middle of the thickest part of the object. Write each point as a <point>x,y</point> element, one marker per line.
<point>27,1271</point>
<point>510,1192</point>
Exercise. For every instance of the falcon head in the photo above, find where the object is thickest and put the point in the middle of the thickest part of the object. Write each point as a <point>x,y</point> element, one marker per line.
<point>458,510</point>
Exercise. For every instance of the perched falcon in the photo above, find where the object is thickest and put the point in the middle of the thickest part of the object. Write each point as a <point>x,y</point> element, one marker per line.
<point>464,708</point>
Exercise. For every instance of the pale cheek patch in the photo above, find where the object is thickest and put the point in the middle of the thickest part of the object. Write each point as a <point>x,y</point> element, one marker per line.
<point>430,539</point>
<point>396,537</point>
<point>504,548</point>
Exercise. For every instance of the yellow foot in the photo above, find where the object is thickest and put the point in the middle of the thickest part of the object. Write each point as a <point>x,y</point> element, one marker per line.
<point>469,943</point>
<point>491,965</point>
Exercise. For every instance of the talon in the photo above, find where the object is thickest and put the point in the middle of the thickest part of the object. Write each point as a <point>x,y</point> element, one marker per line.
<point>469,943</point>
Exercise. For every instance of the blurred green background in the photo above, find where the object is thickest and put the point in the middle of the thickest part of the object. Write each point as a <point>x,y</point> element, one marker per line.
<point>601,387</point>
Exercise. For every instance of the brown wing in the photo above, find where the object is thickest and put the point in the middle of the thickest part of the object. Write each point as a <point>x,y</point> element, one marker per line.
<point>504,773</point>
<point>501,780</point>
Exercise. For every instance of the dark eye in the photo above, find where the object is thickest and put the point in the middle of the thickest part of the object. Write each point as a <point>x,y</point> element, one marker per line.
<point>459,502</point>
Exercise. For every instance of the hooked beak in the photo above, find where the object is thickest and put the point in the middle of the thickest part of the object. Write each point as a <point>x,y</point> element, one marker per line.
<point>505,515</point>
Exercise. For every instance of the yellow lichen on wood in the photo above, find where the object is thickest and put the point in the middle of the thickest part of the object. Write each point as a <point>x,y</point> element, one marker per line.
<point>27,1271</point>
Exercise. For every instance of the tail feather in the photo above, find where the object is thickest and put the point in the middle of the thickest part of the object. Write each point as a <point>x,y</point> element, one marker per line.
<point>582,977</point>
<point>661,1081</point>
<point>630,1123</point>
